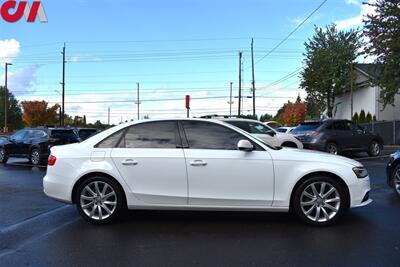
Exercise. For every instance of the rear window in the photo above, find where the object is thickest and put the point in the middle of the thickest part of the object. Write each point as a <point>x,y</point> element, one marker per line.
<point>63,134</point>
<point>308,126</point>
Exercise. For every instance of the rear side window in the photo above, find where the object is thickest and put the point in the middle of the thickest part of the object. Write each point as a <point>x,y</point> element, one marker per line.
<point>203,135</point>
<point>36,134</point>
<point>162,134</point>
<point>308,126</point>
<point>112,140</point>
<point>240,124</point>
<point>63,134</point>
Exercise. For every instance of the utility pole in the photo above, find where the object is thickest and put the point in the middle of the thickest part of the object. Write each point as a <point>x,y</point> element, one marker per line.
<point>59,114</point>
<point>108,116</point>
<point>6,98</point>
<point>240,83</point>
<point>138,102</point>
<point>230,101</point>
<point>63,88</point>
<point>351,92</point>
<point>253,81</point>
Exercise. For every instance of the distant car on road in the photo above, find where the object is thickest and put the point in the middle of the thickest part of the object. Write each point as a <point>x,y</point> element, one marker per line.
<point>195,164</point>
<point>85,133</point>
<point>285,129</point>
<point>265,133</point>
<point>393,172</point>
<point>338,136</point>
<point>35,143</point>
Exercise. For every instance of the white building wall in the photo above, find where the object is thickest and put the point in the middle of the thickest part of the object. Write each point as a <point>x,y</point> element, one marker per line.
<point>390,112</point>
<point>363,98</point>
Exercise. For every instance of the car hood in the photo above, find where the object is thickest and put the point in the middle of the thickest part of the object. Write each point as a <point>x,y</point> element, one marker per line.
<point>312,156</point>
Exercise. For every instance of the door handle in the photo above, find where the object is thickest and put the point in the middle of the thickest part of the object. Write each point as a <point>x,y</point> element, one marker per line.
<point>129,162</point>
<point>198,163</point>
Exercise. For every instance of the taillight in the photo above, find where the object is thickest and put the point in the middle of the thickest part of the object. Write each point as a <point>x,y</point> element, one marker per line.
<point>51,161</point>
<point>53,140</point>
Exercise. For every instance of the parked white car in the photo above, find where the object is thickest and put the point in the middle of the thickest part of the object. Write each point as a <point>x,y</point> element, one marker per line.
<point>266,133</point>
<point>284,129</point>
<point>199,164</point>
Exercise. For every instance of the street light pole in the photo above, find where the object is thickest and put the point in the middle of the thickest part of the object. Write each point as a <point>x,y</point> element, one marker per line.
<point>6,99</point>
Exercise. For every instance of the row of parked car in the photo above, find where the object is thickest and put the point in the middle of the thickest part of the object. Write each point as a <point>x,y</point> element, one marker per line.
<point>35,143</point>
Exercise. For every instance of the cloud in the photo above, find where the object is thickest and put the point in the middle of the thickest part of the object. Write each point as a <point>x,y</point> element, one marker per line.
<point>23,80</point>
<point>9,49</point>
<point>355,21</point>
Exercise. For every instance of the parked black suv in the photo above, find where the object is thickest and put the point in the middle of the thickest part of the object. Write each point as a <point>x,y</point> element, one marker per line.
<point>85,133</point>
<point>35,144</point>
<point>338,136</point>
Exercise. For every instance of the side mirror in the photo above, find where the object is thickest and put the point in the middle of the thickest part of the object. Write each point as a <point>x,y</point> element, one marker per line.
<point>271,133</point>
<point>245,145</point>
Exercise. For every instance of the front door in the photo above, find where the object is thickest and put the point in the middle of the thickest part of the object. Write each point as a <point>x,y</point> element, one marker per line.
<point>222,176</point>
<point>151,161</point>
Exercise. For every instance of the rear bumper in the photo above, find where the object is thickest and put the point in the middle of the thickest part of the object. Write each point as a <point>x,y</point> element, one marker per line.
<point>57,190</point>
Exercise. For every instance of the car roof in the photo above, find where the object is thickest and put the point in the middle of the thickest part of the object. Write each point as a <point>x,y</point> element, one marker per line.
<point>238,119</point>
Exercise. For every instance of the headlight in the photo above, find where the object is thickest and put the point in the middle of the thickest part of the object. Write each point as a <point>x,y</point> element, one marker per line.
<point>360,172</point>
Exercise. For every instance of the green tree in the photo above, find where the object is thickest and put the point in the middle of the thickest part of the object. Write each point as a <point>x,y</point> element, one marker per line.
<point>362,117</point>
<point>14,112</point>
<point>383,31</point>
<point>368,118</point>
<point>356,119</point>
<point>328,60</point>
<point>265,117</point>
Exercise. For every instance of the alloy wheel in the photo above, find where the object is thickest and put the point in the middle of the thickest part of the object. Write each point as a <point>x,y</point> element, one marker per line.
<point>320,201</point>
<point>397,181</point>
<point>2,154</point>
<point>98,200</point>
<point>35,157</point>
<point>375,148</point>
<point>332,149</point>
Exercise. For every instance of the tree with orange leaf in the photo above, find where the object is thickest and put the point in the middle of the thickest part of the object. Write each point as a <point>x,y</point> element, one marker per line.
<point>294,113</point>
<point>37,113</point>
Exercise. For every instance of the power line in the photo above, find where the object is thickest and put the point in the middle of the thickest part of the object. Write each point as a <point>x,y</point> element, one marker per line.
<point>292,32</point>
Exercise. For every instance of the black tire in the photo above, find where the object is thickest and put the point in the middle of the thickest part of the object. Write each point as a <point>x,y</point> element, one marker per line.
<point>396,180</point>
<point>116,210</point>
<point>374,149</point>
<point>312,218</point>
<point>289,144</point>
<point>332,148</point>
<point>3,155</point>
<point>35,158</point>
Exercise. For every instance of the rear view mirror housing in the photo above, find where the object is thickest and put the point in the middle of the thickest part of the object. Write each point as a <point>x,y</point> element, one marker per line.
<point>271,133</point>
<point>245,145</point>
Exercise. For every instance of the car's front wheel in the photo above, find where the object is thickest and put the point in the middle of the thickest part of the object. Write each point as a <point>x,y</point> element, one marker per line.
<point>99,200</point>
<point>396,180</point>
<point>374,149</point>
<point>319,201</point>
<point>3,155</point>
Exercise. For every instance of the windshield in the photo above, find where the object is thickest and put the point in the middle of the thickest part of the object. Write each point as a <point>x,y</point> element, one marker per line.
<point>305,127</point>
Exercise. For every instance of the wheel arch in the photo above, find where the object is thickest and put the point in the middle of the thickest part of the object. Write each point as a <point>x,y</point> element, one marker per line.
<point>93,174</point>
<point>321,173</point>
<point>289,144</point>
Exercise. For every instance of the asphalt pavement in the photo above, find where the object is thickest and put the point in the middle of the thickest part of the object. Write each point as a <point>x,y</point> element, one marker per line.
<point>37,231</point>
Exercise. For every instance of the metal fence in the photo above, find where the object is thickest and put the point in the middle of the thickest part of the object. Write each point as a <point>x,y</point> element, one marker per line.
<point>388,130</point>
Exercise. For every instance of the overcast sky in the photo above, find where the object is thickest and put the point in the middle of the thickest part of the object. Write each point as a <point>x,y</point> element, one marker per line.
<point>172,48</point>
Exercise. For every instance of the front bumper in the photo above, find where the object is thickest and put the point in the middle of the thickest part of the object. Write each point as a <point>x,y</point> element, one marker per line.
<point>359,193</point>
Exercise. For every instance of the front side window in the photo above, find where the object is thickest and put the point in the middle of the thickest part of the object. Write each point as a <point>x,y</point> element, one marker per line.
<point>151,135</point>
<point>204,135</point>
<point>19,135</point>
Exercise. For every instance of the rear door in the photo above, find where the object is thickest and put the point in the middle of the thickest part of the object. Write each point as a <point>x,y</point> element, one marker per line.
<point>150,158</point>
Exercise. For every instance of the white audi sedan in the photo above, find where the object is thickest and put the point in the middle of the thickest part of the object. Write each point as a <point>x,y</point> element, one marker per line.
<point>197,164</point>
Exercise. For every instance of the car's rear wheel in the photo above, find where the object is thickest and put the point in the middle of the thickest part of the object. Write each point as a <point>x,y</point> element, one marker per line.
<point>319,201</point>
<point>374,149</point>
<point>396,180</point>
<point>332,148</point>
<point>99,200</point>
<point>3,155</point>
<point>35,157</point>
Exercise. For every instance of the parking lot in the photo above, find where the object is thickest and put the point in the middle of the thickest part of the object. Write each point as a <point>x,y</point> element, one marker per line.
<point>37,231</point>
